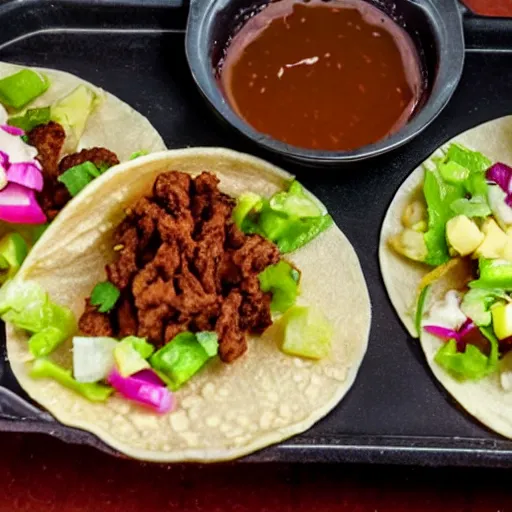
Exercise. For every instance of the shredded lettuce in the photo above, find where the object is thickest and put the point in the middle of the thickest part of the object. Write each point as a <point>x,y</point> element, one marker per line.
<point>144,348</point>
<point>471,364</point>
<point>281,280</point>
<point>290,219</point>
<point>456,186</point>
<point>476,304</point>
<point>31,118</point>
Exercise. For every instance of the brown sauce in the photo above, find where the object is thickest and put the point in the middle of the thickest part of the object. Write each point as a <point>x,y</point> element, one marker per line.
<point>332,75</point>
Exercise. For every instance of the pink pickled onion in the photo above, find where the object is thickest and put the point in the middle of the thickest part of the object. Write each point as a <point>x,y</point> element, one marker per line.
<point>441,332</point>
<point>449,334</point>
<point>145,388</point>
<point>12,130</point>
<point>26,174</point>
<point>18,205</point>
<point>501,174</point>
<point>4,160</point>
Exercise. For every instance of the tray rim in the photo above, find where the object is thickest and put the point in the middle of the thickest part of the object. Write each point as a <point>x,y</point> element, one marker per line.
<point>375,449</point>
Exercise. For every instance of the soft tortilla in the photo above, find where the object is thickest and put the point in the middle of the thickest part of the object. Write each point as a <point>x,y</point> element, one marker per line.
<point>226,411</point>
<point>485,399</point>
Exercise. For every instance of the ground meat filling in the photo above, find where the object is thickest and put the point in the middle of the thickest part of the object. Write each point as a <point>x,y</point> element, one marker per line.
<point>183,265</point>
<point>49,140</point>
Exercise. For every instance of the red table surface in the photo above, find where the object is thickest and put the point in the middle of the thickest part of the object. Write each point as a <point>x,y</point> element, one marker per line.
<point>42,474</point>
<point>499,8</point>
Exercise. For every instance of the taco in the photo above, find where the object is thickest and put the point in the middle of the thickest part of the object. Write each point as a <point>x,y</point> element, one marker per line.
<point>57,133</point>
<point>219,308</point>
<point>446,259</point>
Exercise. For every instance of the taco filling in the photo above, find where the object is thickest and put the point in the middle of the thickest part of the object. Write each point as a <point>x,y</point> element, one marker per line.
<point>184,265</point>
<point>186,284</point>
<point>44,160</point>
<point>460,225</point>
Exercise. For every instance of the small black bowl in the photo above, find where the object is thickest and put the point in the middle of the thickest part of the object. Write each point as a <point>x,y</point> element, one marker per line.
<point>434,25</point>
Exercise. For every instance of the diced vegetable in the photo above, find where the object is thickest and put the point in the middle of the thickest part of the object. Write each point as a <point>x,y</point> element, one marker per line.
<point>12,130</point>
<point>495,273</point>
<point>31,118</point>
<point>78,177</point>
<point>475,207</point>
<point>128,359</point>
<point>471,364</point>
<point>46,341</point>
<point>145,388</point>
<point>307,333</point>
<point>463,234</point>
<point>452,172</point>
<point>13,251</point>
<point>441,332</point>
<point>502,320</point>
<point>439,197</point>
<point>19,89</point>
<point>18,295</point>
<point>420,308</point>
<point>73,111</point>
<point>290,219</point>
<point>93,358</point>
<point>473,160</point>
<point>282,282</point>
<point>180,359</point>
<point>476,303</point>
<point>294,202</point>
<point>209,341</point>
<point>500,209</point>
<point>247,203</point>
<point>18,205</point>
<point>45,369</point>
<point>26,174</point>
<point>137,154</point>
<point>501,174</point>
<point>144,348</point>
<point>105,295</point>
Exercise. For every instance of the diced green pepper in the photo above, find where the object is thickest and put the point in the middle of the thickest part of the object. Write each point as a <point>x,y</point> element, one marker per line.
<point>128,359</point>
<point>13,251</point>
<point>281,280</point>
<point>19,89</point>
<point>46,341</point>
<point>493,274</point>
<point>78,177</point>
<point>209,341</point>
<point>180,359</point>
<point>307,333</point>
<point>45,369</point>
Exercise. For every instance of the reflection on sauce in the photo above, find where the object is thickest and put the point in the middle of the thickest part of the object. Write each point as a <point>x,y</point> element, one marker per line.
<point>322,75</point>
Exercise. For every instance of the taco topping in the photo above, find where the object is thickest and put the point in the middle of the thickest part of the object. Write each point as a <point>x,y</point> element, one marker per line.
<point>183,265</point>
<point>463,228</point>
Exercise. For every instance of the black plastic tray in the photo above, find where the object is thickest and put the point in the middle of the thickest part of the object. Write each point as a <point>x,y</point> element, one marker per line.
<point>396,412</point>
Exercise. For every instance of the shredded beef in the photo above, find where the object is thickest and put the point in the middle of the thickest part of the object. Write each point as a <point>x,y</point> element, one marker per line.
<point>98,156</point>
<point>183,265</point>
<point>49,141</point>
<point>94,323</point>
